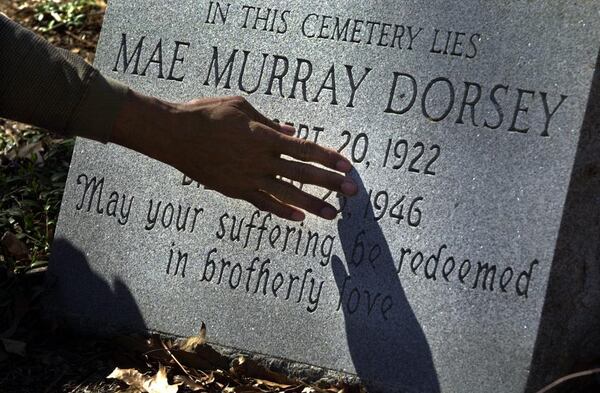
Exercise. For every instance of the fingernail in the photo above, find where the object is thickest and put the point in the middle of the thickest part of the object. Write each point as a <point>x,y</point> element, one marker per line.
<point>288,129</point>
<point>328,213</point>
<point>343,166</point>
<point>297,216</point>
<point>349,187</point>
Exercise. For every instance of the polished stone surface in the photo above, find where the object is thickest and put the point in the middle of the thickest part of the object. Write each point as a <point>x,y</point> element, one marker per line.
<point>479,190</point>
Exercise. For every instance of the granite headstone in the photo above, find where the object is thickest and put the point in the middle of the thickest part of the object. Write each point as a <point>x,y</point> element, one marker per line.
<point>469,261</point>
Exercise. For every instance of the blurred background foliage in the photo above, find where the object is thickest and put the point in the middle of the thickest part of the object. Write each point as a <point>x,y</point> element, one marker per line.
<point>53,15</point>
<point>34,170</point>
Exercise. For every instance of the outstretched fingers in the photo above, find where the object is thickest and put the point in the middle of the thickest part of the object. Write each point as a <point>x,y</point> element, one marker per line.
<point>291,195</point>
<point>310,174</point>
<point>266,202</point>
<point>308,151</point>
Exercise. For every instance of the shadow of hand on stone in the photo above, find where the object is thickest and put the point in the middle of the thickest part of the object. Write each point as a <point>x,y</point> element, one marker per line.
<point>98,307</point>
<point>388,347</point>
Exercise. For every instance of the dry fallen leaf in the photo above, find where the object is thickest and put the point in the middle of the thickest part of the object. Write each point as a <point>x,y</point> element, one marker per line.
<point>189,383</point>
<point>160,384</point>
<point>192,343</point>
<point>14,246</point>
<point>156,384</point>
<point>130,376</point>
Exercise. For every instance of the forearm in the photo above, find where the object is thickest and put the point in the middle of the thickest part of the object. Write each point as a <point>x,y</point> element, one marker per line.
<point>223,143</point>
<point>52,88</point>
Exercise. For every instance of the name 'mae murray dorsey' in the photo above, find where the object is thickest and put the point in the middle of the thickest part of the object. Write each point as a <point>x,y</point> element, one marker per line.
<point>438,98</point>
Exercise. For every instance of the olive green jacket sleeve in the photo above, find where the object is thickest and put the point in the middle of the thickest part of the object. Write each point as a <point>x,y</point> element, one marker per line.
<point>54,89</point>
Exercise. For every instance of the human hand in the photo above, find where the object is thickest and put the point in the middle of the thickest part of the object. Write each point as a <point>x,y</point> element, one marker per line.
<point>228,146</point>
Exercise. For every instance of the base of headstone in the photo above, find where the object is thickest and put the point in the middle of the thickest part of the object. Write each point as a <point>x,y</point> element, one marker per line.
<point>301,371</point>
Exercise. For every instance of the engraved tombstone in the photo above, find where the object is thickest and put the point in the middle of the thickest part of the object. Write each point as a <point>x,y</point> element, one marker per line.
<point>469,261</point>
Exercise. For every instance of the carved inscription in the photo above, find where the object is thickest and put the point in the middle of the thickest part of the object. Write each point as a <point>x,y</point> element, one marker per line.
<point>464,105</point>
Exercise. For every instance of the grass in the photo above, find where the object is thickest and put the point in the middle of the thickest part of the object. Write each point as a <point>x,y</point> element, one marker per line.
<point>34,167</point>
<point>55,15</point>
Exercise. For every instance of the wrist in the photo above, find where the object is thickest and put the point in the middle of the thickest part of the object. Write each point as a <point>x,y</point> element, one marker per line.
<point>143,124</point>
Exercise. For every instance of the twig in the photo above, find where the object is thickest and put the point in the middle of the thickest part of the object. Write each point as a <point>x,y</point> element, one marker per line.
<point>176,361</point>
<point>169,352</point>
<point>153,350</point>
<point>569,377</point>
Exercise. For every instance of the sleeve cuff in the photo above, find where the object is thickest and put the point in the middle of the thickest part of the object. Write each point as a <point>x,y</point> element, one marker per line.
<point>97,111</point>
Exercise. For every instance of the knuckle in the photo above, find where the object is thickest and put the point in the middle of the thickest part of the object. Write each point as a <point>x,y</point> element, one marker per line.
<point>254,127</point>
<point>263,134</point>
<point>269,123</point>
<point>238,102</point>
<point>303,149</point>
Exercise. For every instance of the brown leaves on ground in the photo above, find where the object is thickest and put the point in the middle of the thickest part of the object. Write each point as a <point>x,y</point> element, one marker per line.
<point>144,383</point>
<point>158,365</point>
